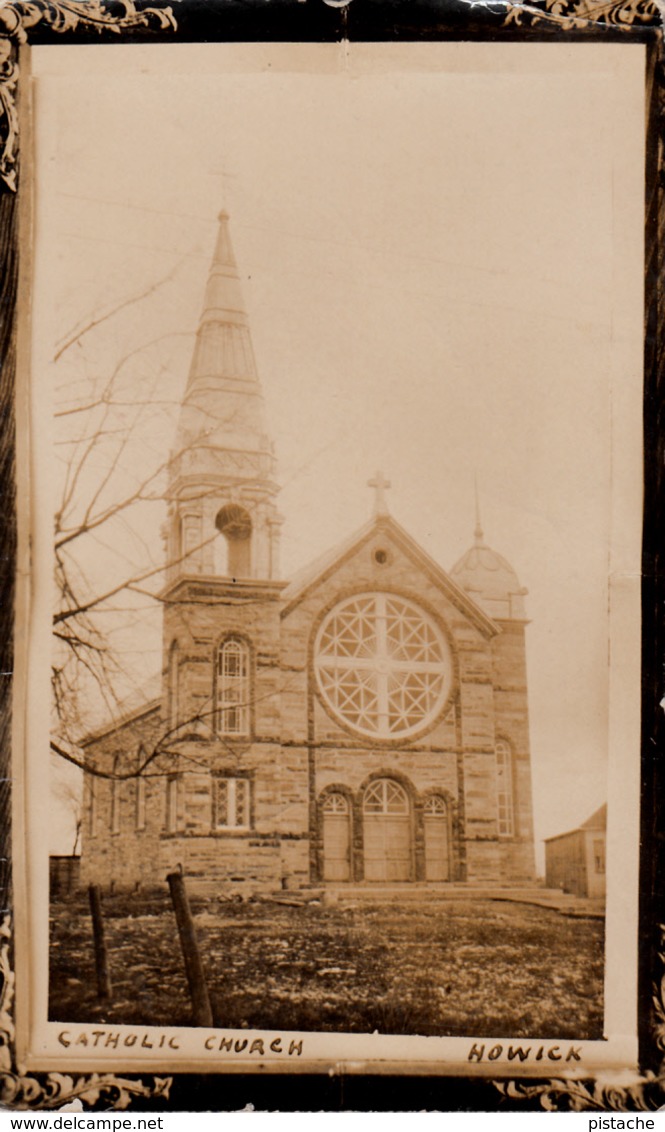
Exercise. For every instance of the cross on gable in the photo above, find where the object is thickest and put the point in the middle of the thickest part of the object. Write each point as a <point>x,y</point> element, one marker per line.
<point>380,485</point>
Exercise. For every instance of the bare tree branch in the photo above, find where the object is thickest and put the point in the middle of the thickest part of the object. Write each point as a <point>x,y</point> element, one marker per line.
<point>79,332</point>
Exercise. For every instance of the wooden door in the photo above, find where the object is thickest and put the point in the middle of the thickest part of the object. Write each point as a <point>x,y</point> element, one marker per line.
<point>336,838</point>
<point>387,832</point>
<point>437,849</point>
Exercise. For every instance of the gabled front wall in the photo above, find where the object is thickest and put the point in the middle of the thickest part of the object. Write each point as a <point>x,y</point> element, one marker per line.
<point>455,757</point>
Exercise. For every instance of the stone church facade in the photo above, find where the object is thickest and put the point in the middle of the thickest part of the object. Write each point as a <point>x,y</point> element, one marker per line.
<point>365,722</point>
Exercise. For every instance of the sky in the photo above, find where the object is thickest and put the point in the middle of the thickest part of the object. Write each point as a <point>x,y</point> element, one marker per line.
<point>440,252</point>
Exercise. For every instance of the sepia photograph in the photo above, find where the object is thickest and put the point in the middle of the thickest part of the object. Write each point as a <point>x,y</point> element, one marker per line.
<point>336,486</point>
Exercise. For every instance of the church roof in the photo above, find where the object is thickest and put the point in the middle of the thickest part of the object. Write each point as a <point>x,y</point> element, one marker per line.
<point>598,819</point>
<point>141,701</point>
<point>490,579</point>
<point>321,567</point>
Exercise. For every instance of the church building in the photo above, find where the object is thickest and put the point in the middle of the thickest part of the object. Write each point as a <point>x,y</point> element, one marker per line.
<point>364,722</point>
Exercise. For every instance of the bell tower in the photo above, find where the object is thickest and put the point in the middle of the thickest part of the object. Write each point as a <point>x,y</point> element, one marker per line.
<point>222,593</point>
<point>223,520</point>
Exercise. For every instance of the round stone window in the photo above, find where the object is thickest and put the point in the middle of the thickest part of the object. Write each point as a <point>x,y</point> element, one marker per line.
<point>383,667</point>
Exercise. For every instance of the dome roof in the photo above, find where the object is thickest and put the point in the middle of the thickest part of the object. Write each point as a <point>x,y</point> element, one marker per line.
<point>490,580</point>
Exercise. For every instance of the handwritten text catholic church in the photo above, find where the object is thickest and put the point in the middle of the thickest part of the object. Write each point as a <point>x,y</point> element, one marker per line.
<point>364,722</point>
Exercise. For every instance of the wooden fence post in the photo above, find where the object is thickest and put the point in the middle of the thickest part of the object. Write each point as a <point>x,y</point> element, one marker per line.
<point>101,954</point>
<point>196,979</point>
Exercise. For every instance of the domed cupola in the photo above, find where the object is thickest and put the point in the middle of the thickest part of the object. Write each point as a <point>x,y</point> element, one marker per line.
<point>490,580</point>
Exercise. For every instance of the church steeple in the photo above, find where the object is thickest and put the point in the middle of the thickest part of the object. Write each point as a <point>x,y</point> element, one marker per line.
<point>223,518</point>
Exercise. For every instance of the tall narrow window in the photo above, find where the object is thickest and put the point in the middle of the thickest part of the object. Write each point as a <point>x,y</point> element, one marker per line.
<point>190,543</point>
<point>115,805</point>
<point>172,804</point>
<point>232,688</point>
<point>174,684</point>
<point>504,789</point>
<point>92,806</point>
<point>140,802</point>
<point>231,803</point>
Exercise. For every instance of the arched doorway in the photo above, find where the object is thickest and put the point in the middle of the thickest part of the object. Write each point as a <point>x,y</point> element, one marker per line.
<point>336,838</point>
<point>387,831</point>
<point>437,847</point>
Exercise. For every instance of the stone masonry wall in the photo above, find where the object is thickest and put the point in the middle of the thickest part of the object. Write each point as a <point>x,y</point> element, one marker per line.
<point>467,729</point>
<point>114,850</point>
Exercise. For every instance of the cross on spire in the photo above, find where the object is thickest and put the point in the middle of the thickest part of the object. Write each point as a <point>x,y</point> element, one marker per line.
<point>380,485</point>
<point>478,533</point>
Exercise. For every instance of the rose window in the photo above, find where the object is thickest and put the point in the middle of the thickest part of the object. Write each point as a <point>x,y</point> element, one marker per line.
<point>383,666</point>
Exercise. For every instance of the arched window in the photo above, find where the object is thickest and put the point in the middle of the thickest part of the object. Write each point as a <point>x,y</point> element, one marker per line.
<point>385,796</point>
<point>173,684</point>
<point>504,789</point>
<point>235,526</point>
<point>435,806</point>
<point>232,688</point>
<point>336,804</point>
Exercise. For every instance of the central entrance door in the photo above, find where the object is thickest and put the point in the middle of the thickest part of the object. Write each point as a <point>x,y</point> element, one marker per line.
<point>336,838</point>
<point>387,831</point>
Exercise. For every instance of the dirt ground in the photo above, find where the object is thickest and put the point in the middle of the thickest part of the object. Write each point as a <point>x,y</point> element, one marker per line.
<point>458,967</point>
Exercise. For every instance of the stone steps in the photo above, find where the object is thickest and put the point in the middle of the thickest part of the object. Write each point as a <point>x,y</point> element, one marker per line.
<point>432,892</point>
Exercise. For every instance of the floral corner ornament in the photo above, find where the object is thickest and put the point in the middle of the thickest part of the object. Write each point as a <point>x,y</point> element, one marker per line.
<point>46,1091</point>
<point>643,1094</point>
<point>17,17</point>
<point>569,15</point>
<point>59,1091</point>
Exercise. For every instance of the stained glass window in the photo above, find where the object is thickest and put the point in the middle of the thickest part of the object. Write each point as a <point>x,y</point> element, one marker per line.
<point>382,665</point>
<point>231,803</point>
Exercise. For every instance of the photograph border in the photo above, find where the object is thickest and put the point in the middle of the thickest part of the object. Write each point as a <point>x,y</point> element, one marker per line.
<point>25,22</point>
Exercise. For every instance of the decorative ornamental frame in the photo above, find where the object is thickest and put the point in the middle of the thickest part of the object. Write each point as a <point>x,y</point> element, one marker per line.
<point>25,22</point>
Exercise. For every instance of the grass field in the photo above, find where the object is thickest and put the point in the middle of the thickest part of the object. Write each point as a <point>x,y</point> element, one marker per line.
<point>458,967</point>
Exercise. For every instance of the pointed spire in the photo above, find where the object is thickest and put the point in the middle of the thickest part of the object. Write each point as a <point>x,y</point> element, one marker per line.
<point>223,347</point>
<point>478,532</point>
<point>223,401</point>
<point>223,297</point>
